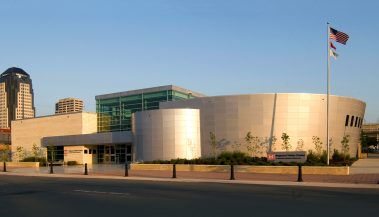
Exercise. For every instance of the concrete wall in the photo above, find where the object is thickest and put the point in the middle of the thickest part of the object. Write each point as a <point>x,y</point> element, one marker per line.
<point>243,169</point>
<point>301,116</point>
<point>74,153</point>
<point>89,123</point>
<point>23,164</point>
<point>27,132</point>
<point>167,134</point>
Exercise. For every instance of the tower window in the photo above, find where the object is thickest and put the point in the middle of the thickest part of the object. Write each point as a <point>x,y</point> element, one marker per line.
<point>347,121</point>
<point>352,121</point>
<point>356,122</point>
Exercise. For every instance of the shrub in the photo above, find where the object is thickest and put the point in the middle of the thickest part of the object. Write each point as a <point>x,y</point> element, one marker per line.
<point>342,159</point>
<point>241,158</point>
<point>316,159</point>
<point>312,157</point>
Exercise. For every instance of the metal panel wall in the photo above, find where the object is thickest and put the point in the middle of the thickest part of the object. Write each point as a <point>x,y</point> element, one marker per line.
<point>300,115</point>
<point>167,134</point>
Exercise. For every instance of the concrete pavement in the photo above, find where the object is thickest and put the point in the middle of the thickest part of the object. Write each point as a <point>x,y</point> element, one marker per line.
<point>369,165</point>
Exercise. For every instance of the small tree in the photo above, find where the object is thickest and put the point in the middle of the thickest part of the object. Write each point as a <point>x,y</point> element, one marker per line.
<point>345,144</point>
<point>265,144</point>
<point>286,145</point>
<point>36,152</point>
<point>248,140</point>
<point>273,143</point>
<point>363,139</point>
<point>318,144</point>
<point>20,153</point>
<point>5,152</point>
<point>213,143</point>
<point>236,146</point>
<point>300,145</point>
<point>253,144</point>
<point>51,150</point>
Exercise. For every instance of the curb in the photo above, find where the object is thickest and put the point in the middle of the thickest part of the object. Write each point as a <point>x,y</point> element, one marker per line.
<point>245,182</point>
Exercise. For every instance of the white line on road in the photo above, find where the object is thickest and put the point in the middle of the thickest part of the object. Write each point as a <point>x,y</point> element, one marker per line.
<point>102,192</point>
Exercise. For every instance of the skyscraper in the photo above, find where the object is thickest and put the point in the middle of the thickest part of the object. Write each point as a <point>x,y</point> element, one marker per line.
<point>16,96</point>
<point>68,105</point>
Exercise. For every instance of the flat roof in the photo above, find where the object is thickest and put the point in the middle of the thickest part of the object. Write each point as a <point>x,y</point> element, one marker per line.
<point>54,115</point>
<point>149,90</point>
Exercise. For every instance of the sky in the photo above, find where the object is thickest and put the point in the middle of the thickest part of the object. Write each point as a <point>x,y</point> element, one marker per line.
<point>84,48</point>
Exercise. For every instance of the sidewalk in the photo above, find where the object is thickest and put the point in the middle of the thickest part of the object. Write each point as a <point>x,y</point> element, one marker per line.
<point>369,165</point>
<point>117,172</point>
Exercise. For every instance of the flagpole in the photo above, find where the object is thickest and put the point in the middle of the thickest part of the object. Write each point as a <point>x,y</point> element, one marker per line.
<point>327,100</point>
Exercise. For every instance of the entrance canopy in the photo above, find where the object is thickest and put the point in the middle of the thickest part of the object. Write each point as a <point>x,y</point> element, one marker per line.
<point>88,139</point>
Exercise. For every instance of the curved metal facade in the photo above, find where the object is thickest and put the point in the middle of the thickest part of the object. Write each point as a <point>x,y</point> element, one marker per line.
<point>266,116</point>
<point>166,134</point>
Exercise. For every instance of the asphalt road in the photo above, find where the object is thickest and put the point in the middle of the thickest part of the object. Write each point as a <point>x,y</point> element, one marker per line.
<point>41,196</point>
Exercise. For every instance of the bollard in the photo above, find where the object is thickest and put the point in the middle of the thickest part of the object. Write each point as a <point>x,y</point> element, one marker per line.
<point>300,174</point>
<point>51,168</point>
<point>232,172</point>
<point>126,169</point>
<point>174,171</point>
<point>4,167</point>
<point>85,169</point>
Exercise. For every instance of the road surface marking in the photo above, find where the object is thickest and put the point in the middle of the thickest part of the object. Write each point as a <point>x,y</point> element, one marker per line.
<point>102,192</point>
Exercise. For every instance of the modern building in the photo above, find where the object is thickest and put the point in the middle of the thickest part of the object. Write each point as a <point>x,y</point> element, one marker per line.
<point>171,122</point>
<point>68,105</point>
<point>113,142</point>
<point>16,96</point>
<point>29,132</point>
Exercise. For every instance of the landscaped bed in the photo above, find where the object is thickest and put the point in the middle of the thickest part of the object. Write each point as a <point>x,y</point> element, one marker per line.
<point>240,158</point>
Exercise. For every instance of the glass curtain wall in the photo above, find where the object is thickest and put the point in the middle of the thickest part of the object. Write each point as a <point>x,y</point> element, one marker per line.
<point>114,114</point>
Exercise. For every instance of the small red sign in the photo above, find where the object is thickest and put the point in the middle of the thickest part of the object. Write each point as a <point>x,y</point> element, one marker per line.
<point>271,156</point>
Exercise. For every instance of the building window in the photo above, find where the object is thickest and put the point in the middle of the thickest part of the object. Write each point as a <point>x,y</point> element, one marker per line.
<point>356,121</point>
<point>352,121</point>
<point>347,121</point>
<point>85,151</point>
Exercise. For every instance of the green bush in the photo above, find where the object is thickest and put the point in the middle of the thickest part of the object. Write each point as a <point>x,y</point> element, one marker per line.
<point>341,159</point>
<point>240,158</point>
<point>224,158</point>
<point>312,157</point>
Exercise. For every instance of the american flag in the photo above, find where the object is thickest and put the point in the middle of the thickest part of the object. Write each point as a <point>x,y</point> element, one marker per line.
<point>338,36</point>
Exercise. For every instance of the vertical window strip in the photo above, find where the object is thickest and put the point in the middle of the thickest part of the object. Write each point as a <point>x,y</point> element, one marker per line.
<point>347,121</point>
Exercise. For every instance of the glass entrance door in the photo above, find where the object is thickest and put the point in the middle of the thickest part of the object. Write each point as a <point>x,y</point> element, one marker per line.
<point>109,154</point>
<point>114,154</point>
